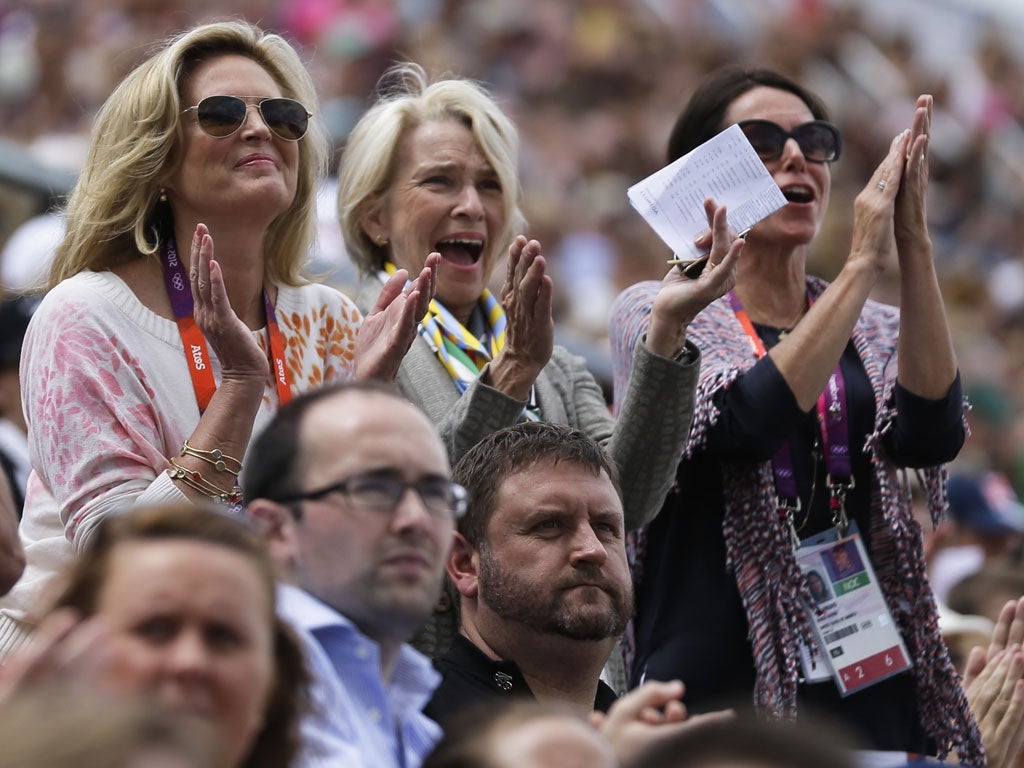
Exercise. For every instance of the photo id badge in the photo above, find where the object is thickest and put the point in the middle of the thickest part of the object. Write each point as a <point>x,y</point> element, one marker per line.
<point>858,640</point>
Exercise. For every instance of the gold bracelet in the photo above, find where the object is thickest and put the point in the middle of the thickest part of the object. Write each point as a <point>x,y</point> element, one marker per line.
<point>215,457</point>
<point>196,481</point>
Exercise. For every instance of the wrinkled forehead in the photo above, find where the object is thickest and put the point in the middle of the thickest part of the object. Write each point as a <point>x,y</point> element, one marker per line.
<point>553,484</point>
<point>446,141</point>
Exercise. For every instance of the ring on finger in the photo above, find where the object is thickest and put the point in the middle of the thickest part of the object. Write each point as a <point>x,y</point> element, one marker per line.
<point>881,184</point>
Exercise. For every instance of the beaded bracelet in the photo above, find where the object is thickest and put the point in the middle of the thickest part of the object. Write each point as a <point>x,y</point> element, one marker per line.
<point>215,457</point>
<point>196,481</point>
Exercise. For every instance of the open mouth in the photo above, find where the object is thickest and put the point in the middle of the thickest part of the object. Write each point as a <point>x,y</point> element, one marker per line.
<point>460,251</point>
<point>798,193</point>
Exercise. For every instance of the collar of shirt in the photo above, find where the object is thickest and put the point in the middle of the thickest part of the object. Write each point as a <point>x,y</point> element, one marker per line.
<point>357,704</point>
<point>470,675</point>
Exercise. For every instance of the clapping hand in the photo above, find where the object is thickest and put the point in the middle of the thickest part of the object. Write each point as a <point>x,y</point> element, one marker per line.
<point>680,298</point>
<point>648,717</point>
<point>994,684</point>
<point>230,339</point>
<point>911,224</point>
<point>874,207</point>
<point>64,649</point>
<point>390,328</point>
<point>529,327</point>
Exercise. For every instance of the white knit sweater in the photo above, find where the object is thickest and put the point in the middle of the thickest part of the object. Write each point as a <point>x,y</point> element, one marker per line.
<point>108,397</point>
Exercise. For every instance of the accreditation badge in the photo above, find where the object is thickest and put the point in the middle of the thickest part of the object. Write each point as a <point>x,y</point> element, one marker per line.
<point>858,642</point>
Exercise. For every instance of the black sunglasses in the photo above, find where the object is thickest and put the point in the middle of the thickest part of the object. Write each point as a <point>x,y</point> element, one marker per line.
<point>818,140</point>
<point>221,116</point>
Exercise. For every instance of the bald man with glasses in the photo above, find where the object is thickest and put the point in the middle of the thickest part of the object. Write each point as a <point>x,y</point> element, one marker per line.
<point>353,489</point>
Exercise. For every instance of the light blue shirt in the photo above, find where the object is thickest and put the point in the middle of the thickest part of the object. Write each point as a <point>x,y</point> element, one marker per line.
<point>358,720</point>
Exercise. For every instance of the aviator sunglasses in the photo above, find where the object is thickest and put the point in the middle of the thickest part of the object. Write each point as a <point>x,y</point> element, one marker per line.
<point>221,116</point>
<point>819,141</point>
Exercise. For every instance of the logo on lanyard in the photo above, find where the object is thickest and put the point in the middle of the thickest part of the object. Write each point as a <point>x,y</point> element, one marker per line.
<point>197,357</point>
<point>194,343</point>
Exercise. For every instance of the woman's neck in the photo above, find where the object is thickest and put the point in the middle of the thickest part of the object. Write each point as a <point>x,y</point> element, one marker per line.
<point>772,287</point>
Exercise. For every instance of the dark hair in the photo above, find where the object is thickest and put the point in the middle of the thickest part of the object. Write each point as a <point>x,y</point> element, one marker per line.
<point>702,117</point>
<point>278,742</point>
<point>748,740</point>
<point>486,465</point>
<point>273,458</point>
<point>469,735</point>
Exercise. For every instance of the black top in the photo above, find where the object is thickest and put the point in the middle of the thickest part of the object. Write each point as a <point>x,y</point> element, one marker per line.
<point>469,677</point>
<point>690,622</point>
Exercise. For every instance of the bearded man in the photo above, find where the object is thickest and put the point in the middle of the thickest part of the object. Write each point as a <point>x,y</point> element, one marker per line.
<point>539,567</point>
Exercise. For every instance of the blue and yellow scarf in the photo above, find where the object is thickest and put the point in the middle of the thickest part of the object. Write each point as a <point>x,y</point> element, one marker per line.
<point>462,353</point>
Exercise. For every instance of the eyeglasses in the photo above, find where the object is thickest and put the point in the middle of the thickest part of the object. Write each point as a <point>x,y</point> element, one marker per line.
<point>382,492</point>
<point>221,116</point>
<point>818,140</point>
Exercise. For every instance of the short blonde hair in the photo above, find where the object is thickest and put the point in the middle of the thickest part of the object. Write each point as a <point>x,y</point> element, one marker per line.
<point>368,162</point>
<point>114,212</point>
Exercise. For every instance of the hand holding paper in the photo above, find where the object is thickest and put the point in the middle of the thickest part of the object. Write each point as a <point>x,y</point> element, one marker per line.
<point>725,168</point>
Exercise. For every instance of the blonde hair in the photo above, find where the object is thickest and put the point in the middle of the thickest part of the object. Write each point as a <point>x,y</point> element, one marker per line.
<point>368,163</point>
<point>114,212</point>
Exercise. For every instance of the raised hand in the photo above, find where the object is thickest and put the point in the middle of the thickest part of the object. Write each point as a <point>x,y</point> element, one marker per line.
<point>229,338</point>
<point>911,223</point>
<point>64,649</point>
<point>1008,631</point>
<point>391,326</point>
<point>529,327</point>
<point>873,210</point>
<point>680,298</point>
<point>995,692</point>
<point>994,685</point>
<point>647,717</point>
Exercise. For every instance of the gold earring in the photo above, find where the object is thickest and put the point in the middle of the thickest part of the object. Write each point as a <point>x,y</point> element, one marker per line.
<point>163,195</point>
<point>382,241</point>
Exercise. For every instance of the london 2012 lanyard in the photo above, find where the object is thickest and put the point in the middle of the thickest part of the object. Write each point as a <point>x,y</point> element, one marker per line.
<point>834,423</point>
<point>857,643</point>
<point>196,354</point>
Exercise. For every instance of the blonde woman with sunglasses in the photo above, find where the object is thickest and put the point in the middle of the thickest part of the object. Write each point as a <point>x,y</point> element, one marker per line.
<point>177,318</point>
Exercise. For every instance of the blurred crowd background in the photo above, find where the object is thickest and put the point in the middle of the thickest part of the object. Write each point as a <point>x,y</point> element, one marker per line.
<point>594,87</point>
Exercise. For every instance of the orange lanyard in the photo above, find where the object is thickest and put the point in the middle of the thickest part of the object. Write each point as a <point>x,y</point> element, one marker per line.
<point>196,353</point>
<point>833,421</point>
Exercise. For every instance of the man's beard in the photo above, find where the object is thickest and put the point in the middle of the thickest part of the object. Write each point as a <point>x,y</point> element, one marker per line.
<point>545,607</point>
